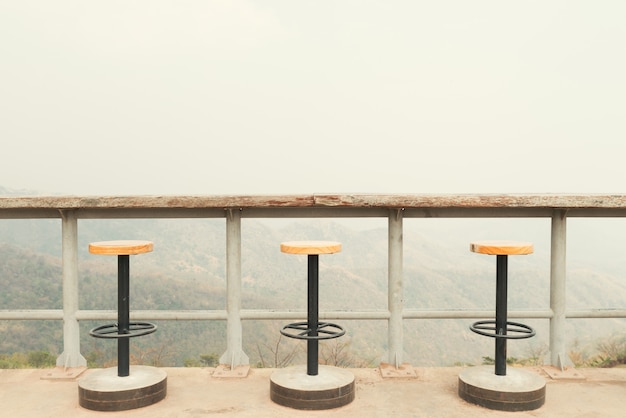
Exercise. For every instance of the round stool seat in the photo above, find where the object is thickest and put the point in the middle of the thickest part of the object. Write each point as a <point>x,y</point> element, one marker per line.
<point>310,247</point>
<point>121,247</point>
<point>501,247</point>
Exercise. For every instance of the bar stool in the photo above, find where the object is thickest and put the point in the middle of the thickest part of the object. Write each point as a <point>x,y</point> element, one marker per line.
<point>116,388</point>
<point>317,386</point>
<point>517,390</point>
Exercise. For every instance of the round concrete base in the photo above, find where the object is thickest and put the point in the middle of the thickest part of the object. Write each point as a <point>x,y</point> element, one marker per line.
<point>331,388</point>
<point>519,390</point>
<point>104,390</point>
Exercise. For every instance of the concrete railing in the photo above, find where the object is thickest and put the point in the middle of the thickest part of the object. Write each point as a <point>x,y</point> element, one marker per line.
<point>395,208</point>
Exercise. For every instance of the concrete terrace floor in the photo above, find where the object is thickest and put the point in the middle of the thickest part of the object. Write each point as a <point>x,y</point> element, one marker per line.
<point>431,392</point>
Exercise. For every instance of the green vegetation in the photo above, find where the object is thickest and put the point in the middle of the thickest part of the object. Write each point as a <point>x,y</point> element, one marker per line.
<point>29,360</point>
<point>535,356</point>
<point>608,353</point>
<point>514,361</point>
<point>205,360</point>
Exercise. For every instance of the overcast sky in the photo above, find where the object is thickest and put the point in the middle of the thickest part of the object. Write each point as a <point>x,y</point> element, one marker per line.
<point>264,97</point>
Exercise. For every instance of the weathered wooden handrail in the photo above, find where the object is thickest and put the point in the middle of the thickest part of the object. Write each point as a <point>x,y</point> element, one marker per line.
<point>474,201</point>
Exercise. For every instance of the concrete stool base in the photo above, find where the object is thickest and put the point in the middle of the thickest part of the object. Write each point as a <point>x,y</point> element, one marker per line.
<point>331,388</point>
<point>519,390</point>
<point>104,390</point>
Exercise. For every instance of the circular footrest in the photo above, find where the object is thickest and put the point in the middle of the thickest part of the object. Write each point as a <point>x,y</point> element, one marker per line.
<point>326,334</point>
<point>519,331</point>
<point>135,329</point>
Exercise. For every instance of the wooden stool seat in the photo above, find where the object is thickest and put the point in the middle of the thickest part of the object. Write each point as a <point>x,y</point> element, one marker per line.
<point>310,247</point>
<point>121,247</point>
<point>501,247</point>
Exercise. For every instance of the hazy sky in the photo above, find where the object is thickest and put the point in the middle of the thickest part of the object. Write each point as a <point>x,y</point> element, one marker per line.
<point>264,97</point>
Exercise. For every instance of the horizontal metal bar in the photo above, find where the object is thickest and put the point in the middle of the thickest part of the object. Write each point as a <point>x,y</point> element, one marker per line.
<point>309,212</point>
<point>596,313</point>
<point>158,213</point>
<point>477,213</point>
<point>596,213</point>
<point>273,314</point>
<point>174,315</point>
<point>30,214</point>
<point>268,314</point>
<point>190,315</point>
<point>326,212</point>
<point>31,314</point>
<point>457,314</point>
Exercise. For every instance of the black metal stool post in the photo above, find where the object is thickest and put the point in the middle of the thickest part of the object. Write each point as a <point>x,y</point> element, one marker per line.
<point>312,349</point>
<point>501,313</point>
<point>123,314</point>
<point>332,387</point>
<point>102,390</point>
<point>525,390</point>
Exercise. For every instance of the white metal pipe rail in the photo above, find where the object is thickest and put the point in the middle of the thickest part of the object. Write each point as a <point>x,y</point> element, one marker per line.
<point>70,209</point>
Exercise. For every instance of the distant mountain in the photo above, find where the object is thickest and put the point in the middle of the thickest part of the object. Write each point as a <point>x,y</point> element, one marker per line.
<point>187,271</point>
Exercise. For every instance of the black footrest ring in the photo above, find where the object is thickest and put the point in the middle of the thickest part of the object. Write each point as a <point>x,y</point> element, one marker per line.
<point>305,331</point>
<point>519,331</point>
<point>135,329</point>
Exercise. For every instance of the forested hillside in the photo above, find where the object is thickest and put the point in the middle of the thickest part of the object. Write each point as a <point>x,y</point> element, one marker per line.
<point>186,270</point>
